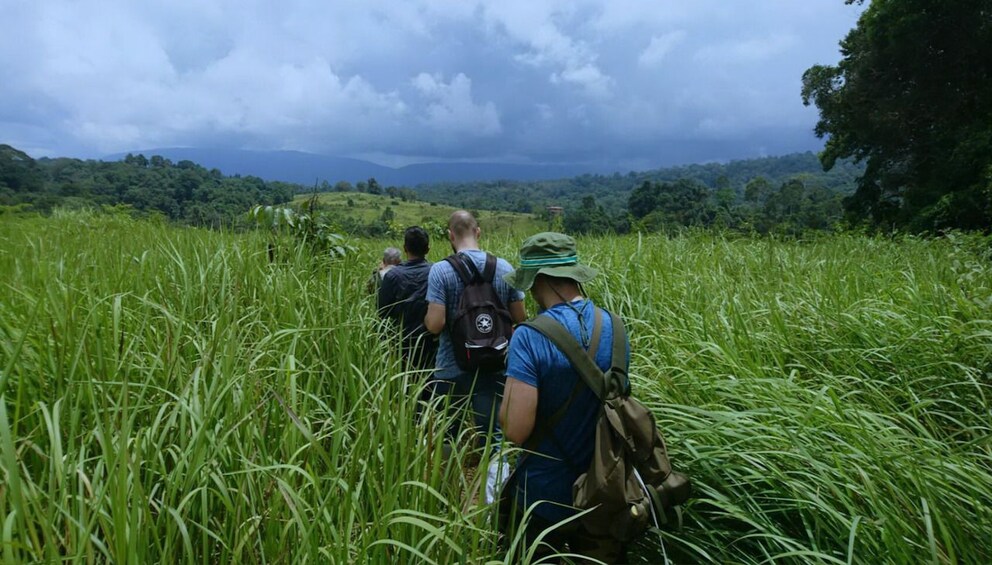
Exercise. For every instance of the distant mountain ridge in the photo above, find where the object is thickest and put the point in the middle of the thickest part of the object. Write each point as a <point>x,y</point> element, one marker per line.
<point>306,168</point>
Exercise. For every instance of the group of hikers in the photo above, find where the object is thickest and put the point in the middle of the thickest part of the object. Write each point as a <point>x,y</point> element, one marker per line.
<point>463,322</point>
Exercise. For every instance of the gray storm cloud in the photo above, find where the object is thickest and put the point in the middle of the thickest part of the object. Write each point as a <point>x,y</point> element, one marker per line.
<point>606,81</point>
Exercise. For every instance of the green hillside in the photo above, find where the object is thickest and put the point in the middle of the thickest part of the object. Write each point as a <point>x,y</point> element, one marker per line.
<point>356,208</point>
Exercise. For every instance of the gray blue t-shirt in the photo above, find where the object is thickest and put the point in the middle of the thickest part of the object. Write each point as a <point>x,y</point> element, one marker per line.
<point>444,286</point>
<point>549,473</point>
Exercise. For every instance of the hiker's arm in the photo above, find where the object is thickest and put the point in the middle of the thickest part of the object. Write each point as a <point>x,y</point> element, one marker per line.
<point>434,320</point>
<point>518,410</point>
<point>517,312</point>
<point>436,296</point>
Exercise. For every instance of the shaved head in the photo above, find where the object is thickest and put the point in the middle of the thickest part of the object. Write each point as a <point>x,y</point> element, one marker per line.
<point>462,224</point>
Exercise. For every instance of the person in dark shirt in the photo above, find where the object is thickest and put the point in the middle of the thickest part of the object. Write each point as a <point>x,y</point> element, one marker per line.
<point>390,258</point>
<point>403,299</point>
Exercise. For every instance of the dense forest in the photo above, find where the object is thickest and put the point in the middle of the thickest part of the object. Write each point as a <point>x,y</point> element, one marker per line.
<point>612,191</point>
<point>183,191</point>
<point>787,194</point>
<point>784,195</point>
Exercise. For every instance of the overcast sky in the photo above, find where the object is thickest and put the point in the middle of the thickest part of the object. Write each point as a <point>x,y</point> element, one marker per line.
<point>628,83</point>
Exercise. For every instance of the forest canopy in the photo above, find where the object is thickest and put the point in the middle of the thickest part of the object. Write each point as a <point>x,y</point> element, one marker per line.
<point>182,191</point>
<point>912,99</point>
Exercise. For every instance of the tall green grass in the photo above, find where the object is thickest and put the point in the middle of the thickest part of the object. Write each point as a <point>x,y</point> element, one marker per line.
<point>830,399</point>
<point>170,395</point>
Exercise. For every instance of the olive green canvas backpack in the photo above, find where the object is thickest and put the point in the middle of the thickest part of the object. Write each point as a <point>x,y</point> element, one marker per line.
<point>629,485</point>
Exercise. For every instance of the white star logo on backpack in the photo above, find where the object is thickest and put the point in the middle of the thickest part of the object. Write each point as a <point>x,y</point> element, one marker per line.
<point>484,323</point>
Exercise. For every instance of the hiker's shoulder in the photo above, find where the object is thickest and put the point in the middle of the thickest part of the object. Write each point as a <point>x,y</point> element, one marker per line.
<point>441,267</point>
<point>503,266</point>
<point>528,333</point>
<point>391,277</point>
<point>525,343</point>
<point>439,277</point>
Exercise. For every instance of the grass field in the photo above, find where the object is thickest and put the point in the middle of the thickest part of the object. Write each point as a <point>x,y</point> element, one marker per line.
<point>369,207</point>
<point>169,395</point>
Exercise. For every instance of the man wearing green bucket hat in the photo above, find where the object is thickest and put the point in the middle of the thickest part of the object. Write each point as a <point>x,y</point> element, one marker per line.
<point>545,406</point>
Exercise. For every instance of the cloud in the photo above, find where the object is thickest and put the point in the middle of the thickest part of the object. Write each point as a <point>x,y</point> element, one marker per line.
<point>451,110</point>
<point>535,26</point>
<point>544,80</point>
<point>151,94</point>
<point>659,48</point>
<point>545,112</point>
<point>750,50</point>
<point>588,76</point>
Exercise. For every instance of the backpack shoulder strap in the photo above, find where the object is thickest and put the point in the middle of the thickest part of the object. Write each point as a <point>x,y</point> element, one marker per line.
<point>546,427</point>
<point>614,382</point>
<point>619,358</point>
<point>616,379</point>
<point>578,357</point>
<point>458,264</point>
<point>489,272</point>
<point>597,330</point>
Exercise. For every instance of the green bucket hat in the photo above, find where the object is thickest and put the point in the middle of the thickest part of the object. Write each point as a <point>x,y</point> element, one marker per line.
<point>551,254</point>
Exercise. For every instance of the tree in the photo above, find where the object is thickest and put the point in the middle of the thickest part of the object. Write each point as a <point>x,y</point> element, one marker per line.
<point>686,203</point>
<point>821,209</point>
<point>18,171</point>
<point>343,186</point>
<point>725,198</point>
<point>589,218</point>
<point>670,205</point>
<point>912,98</point>
<point>373,186</point>
<point>138,160</point>
<point>160,162</point>
<point>643,199</point>
<point>785,205</point>
<point>757,190</point>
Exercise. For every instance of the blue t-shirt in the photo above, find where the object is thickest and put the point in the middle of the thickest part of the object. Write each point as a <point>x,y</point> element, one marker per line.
<point>444,286</point>
<point>549,474</point>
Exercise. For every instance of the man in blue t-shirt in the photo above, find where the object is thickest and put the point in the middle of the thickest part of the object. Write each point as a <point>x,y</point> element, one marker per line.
<point>540,381</point>
<point>444,289</point>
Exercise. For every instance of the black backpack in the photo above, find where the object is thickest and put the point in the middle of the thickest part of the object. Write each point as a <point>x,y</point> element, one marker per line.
<point>481,327</point>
